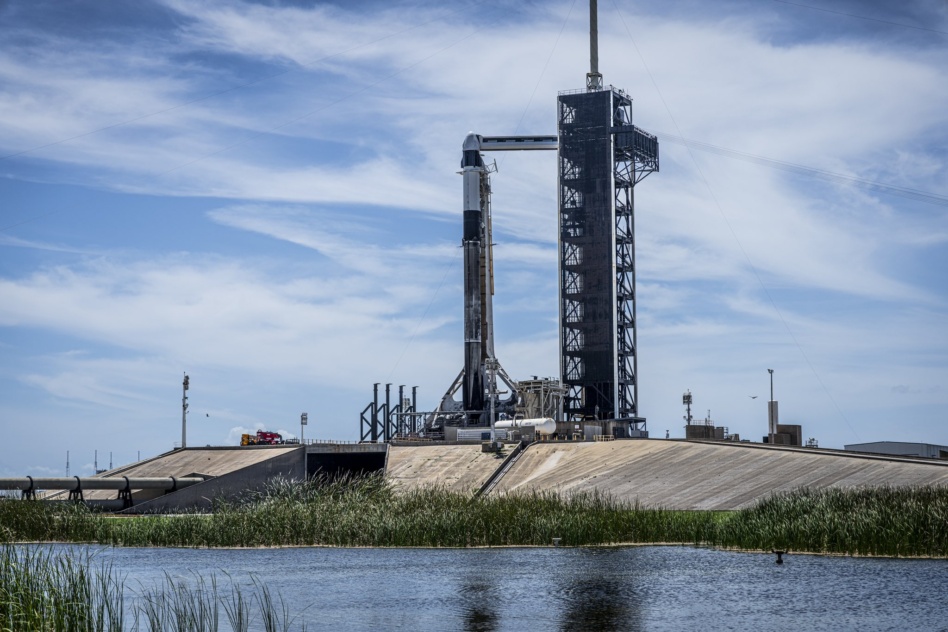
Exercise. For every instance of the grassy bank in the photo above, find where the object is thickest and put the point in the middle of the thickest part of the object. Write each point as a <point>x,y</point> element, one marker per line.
<point>878,521</point>
<point>41,589</point>
<point>367,512</point>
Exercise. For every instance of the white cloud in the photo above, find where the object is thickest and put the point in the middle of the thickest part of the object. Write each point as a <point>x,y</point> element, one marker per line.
<point>348,146</point>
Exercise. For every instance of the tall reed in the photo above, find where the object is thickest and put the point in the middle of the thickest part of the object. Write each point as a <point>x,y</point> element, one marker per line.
<point>370,512</point>
<point>40,590</point>
<point>66,591</point>
<point>872,521</point>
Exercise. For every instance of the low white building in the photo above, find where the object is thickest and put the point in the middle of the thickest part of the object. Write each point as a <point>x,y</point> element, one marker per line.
<point>901,448</point>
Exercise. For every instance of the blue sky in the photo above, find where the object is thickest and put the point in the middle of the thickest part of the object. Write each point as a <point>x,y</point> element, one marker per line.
<point>265,195</point>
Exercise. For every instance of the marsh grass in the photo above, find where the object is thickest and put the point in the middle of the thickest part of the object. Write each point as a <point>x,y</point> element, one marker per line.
<point>52,590</point>
<point>40,590</point>
<point>888,521</point>
<point>368,511</point>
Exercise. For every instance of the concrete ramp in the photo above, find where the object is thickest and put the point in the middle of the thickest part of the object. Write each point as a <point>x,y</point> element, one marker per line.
<point>210,462</point>
<point>461,468</point>
<point>695,475</point>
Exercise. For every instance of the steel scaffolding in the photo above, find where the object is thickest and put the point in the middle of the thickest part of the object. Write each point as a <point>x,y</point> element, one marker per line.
<point>602,156</point>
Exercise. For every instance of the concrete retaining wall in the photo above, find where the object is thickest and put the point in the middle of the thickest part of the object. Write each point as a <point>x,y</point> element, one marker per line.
<point>461,468</point>
<point>698,475</point>
<point>287,464</point>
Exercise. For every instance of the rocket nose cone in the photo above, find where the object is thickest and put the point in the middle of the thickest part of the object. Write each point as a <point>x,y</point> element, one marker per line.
<point>471,142</point>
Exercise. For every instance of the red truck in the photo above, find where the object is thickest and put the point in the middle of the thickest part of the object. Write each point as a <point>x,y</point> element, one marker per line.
<point>262,438</point>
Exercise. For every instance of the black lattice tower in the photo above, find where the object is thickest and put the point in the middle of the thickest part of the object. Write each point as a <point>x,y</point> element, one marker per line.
<point>602,156</point>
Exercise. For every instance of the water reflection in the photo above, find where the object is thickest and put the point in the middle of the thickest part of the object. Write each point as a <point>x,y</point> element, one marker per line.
<point>479,604</point>
<point>599,594</point>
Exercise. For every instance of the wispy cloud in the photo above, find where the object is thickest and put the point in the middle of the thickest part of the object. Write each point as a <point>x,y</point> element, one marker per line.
<point>318,147</point>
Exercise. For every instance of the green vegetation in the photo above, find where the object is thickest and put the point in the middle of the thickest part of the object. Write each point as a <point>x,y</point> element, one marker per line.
<point>368,512</point>
<point>42,588</point>
<point>875,521</point>
<point>45,590</point>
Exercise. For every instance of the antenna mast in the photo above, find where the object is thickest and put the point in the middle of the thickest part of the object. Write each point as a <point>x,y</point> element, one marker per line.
<point>184,412</point>
<point>593,78</point>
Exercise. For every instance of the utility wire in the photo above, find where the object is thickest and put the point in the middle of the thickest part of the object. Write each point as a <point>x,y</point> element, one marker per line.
<point>540,78</point>
<point>545,66</point>
<point>863,17</point>
<point>27,220</point>
<point>258,134</point>
<point>325,106</point>
<point>226,90</point>
<point>447,268</point>
<point>451,263</point>
<point>727,222</point>
<point>912,194</point>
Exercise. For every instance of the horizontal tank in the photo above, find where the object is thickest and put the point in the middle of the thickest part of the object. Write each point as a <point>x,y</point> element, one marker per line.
<point>544,425</point>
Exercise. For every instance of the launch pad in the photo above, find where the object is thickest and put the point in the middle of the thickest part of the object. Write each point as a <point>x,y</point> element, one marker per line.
<point>601,156</point>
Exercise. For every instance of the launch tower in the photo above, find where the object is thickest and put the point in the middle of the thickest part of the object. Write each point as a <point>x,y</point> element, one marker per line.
<point>602,156</point>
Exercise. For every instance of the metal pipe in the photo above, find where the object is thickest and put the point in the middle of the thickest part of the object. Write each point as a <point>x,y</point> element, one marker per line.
<point>119,483</point>
<point>375,412</point>
<point>387,428</point>
<point>401,410</point>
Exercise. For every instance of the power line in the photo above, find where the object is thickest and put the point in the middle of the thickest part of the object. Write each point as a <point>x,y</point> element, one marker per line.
<point>447,268</point>
<point>730,228</point>
<point>545,66</point>
<point>297,119</point>
<point>542,72</point>
<point>226,90</point>
<point>863,17</point>
<point>258,134</point>
<point>912,194</point>
<point>27,220</point>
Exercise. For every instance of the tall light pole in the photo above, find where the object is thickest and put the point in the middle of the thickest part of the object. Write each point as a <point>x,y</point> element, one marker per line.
<point>304,420</point>
<point>184,413</point>
<point>772,411</point>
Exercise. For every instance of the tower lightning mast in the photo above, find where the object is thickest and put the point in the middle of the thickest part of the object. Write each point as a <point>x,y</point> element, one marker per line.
<point>593,78</point>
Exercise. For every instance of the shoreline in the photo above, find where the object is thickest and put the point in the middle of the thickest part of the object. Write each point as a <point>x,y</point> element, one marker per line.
<point>365,513</point>
<point>614,545</point>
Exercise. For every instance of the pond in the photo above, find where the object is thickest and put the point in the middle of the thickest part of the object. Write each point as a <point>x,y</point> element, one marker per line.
<point>627,588</point>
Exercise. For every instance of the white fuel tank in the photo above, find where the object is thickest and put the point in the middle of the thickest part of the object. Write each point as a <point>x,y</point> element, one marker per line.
<point>544,425</point>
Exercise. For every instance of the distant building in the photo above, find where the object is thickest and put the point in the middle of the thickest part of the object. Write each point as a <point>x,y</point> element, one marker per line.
<point>787,434</point>
<point>901,448</point>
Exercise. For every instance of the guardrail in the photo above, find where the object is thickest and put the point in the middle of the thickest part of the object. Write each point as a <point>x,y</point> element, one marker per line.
<point>498,474</point>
